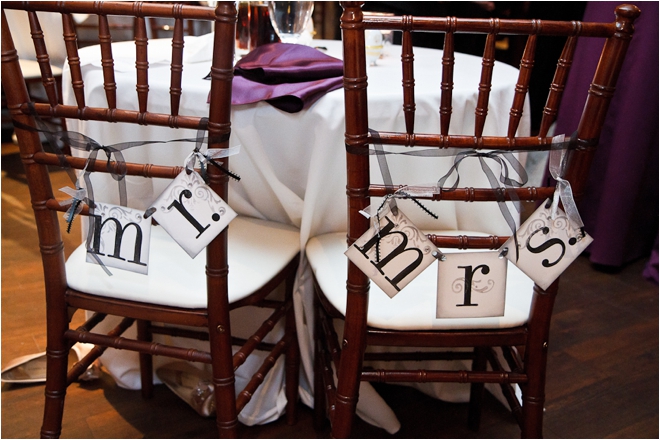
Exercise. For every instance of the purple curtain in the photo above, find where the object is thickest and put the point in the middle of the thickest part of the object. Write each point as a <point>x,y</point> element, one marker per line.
<point>620,207</point>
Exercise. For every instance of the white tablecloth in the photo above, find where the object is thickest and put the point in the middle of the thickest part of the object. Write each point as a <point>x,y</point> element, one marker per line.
<point>293,165</point>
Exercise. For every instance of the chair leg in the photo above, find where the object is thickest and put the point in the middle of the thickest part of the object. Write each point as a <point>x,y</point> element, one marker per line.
<point>222,370</point>
<point>532,415</point>
<point>320,407</point>
<point>533,397</point>
<point>56,384</point>
<point>536,358</point>
<point>146,361</point>
<point>292,360</point>
<point>225,401</point>
<point>476,390</point>
<point>345,406</point>
<point>350,366</point>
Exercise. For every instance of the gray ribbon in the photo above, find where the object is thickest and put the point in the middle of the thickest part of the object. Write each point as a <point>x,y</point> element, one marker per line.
<point>557,163</point>
<point>504,158</point>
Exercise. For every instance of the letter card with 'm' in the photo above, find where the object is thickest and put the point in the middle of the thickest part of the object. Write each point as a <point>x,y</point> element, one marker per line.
<point>393,255</point>
<point>119,237</point>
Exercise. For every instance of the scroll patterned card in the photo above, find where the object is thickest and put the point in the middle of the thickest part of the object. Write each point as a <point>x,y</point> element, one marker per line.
<point>471,285</point>
<point>394,255</point>
<point>546,246</point>
<point>191,212</point>
<point>119,237</point>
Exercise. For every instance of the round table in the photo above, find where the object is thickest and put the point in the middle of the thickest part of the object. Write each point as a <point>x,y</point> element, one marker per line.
<point>292,166</point>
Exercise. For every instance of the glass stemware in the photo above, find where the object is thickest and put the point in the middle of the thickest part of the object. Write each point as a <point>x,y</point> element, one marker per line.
<point>243,28</point>
<point>290,19</point>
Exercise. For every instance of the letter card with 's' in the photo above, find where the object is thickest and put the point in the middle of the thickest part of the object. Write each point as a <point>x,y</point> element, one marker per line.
<point>393,254</point>
<point>119,237</point>
<point>546,245</point>
<point>191,212</point>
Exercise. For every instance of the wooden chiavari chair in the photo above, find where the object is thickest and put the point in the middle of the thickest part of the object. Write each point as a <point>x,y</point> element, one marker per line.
<point>344,292</point>
<point>271,248</point>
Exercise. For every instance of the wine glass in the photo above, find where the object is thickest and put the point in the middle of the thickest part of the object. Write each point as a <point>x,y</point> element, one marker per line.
<point>290,19</point>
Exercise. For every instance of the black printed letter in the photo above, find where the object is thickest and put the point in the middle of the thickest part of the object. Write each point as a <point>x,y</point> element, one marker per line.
<point>397,252</point>
<point>178,205</point>
<point>467,288</point>
<point>545,246</point>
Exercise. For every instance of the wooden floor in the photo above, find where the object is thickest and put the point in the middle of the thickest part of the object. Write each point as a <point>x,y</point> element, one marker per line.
<point>602,367</point>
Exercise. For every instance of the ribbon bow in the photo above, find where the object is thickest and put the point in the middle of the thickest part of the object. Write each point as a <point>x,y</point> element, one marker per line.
<point>557,163</point>
<point>210,158</point>
<point>506,160</point>
<point>78,197</point>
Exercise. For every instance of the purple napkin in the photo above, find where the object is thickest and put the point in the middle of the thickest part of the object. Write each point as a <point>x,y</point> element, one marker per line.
<point>288,76</point>
<point>279,63</point>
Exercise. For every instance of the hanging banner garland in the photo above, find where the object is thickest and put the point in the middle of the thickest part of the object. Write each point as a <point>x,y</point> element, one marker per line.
<point>119,236</point>
<point>374,254</point>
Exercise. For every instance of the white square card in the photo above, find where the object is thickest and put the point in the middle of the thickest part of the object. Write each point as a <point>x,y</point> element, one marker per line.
<point>471,285</point>
<point>393,257</point>
<point>546,246</point>
<point>191,212</point>
<point>119,238</point>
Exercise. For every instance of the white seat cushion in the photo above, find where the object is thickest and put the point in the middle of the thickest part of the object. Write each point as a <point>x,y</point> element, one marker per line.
<point>414,307</point>
<point>258,250</point>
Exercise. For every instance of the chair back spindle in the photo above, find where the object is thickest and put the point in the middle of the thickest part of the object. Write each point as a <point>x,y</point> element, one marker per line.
<point>485,85</point>
<point>447,85</point>
<point>177,66</point>
<point>522,87</point>
<point>557,86</point>
<point>407,63</point>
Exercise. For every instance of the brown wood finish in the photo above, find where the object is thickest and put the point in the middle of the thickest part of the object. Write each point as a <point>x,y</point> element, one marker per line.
<point>52,84</point>
<point>447,85</point>
<point>526,347</point>
<point>49,82</point>
<point>214,322</point>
